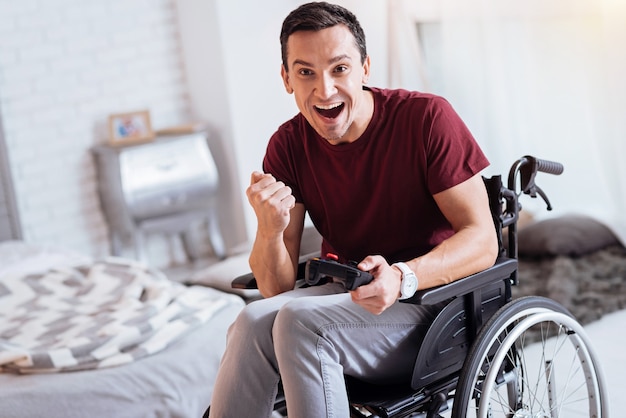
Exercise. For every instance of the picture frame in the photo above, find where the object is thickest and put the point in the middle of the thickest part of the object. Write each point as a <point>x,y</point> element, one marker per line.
<point>130,127</point>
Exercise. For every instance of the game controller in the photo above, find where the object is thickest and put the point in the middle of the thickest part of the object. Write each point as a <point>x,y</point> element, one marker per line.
<point>347,274</point>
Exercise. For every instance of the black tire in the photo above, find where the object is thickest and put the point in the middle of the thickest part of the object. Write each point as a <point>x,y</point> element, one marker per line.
<point>498,367</point>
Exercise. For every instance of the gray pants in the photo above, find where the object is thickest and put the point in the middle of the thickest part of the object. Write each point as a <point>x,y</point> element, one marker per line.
<point>310,338</point>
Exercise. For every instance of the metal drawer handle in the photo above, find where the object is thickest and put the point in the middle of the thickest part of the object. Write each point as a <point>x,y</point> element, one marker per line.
<point>174,200</point>
<point>166,166</point>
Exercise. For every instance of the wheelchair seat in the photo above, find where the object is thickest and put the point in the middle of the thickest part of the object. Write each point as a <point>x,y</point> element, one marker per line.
<point>478,339</point>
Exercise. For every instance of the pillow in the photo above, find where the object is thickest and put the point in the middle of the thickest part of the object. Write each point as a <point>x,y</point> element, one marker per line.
<point>311,241</point>
<point>569,235</point>
<point>221,274</point>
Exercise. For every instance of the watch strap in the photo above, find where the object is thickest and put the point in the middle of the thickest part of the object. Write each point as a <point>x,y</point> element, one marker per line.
<point>407,274</point>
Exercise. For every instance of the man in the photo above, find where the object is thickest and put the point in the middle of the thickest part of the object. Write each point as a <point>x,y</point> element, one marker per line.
<point>387,176</point>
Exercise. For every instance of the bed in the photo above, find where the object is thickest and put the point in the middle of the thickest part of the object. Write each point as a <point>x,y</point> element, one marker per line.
<point>152,350</point>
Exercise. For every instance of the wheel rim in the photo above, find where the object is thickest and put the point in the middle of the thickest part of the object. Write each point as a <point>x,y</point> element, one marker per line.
<point>543,393</point>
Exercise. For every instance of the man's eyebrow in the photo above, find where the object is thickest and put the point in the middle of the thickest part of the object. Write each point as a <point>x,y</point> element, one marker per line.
<point>302,63</point>
<point>340,58</point>
<point>330,61</point>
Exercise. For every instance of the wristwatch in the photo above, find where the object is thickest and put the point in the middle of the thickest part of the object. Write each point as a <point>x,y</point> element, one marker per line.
<point>408,287</point>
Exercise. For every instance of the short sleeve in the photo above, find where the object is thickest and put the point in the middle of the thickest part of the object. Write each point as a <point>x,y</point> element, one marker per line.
<point>452,151</point>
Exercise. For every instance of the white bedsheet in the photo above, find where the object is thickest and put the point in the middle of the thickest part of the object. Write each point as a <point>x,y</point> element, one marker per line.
<point>175,382</point>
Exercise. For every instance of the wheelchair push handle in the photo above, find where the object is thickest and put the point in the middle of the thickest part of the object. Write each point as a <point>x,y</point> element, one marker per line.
<point>550,167</point>
<point>528,167</point>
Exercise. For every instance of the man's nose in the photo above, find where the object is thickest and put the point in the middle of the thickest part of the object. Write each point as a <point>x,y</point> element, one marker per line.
<point>326,86</point>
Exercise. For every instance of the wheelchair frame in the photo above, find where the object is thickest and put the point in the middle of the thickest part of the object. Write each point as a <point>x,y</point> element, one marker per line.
<point>472,361</point>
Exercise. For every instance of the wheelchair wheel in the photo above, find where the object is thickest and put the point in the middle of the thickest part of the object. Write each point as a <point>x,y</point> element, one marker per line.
<point>531,359</point>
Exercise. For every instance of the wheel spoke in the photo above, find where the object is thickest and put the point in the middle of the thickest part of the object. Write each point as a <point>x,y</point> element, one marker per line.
<point>530,361</point>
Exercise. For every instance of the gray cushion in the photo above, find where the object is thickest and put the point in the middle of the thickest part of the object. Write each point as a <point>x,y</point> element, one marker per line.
<point>221,274</point>
<point>569,235</point>
<point>311,241</point>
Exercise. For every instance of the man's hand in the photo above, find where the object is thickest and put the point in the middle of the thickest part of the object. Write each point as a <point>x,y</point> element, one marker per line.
<point>271,201</point>
<point>383,291</point>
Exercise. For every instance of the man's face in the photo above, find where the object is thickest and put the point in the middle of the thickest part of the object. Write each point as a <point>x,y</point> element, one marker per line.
<point>326,76</point>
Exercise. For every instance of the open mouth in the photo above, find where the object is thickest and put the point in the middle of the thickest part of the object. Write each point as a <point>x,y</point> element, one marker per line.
<point>330,111</point>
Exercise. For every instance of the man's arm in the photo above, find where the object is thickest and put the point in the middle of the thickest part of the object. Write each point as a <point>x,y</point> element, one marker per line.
<point>471,249</point>
<point>274,255</point>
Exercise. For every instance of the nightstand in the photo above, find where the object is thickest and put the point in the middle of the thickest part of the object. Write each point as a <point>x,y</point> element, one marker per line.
<point>163,186</point>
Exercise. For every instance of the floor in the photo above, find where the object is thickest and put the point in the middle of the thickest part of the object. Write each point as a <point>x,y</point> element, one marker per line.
<point>609,341</point>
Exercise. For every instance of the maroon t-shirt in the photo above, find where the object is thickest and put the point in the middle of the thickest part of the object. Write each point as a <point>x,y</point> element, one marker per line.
<point>374,196</point>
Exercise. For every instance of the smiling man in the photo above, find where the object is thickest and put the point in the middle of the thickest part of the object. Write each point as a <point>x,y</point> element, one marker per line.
<point>391,179</point>
<point>328,83</point>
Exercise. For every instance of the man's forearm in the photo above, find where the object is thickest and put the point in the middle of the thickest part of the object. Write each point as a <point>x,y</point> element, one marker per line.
<point>465,253</point>
<point>272,265</point>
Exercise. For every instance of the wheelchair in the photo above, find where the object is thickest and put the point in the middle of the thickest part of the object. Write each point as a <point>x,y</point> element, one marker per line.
<point>487,354</point>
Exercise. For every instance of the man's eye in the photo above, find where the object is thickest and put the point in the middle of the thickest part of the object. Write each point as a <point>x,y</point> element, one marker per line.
<point>305,72</point>
<point>341,68</point>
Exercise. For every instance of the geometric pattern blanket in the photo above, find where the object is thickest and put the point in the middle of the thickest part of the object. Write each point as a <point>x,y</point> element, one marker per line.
<point>109,313</point>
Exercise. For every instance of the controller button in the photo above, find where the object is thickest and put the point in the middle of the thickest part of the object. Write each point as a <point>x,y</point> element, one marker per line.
<point>332,256</point>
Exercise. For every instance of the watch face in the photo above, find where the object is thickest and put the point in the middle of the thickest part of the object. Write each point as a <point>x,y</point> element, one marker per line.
<point>409,285</point>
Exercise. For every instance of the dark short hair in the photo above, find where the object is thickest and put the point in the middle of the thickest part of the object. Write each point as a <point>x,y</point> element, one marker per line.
<point>316,16</point>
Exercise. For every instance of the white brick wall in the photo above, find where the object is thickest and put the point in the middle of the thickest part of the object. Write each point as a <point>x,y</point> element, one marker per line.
<point>65,65</point>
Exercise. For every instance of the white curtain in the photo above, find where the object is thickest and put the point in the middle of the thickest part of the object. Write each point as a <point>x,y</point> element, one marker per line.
<point>539,77</point>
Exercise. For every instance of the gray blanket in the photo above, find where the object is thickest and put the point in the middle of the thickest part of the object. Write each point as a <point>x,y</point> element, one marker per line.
<point>590,286</point>
<point>109,313</point>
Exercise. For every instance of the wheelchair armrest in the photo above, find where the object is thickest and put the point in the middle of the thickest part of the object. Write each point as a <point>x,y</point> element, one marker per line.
<point>501,270</point>
<point>245,281</point>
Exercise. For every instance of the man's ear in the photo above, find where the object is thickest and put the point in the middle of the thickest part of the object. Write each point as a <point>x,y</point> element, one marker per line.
<point>366,70</point>
<point>285,76</point>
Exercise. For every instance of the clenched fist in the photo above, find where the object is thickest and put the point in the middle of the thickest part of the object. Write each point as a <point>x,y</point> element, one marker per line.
<point>271,200</point>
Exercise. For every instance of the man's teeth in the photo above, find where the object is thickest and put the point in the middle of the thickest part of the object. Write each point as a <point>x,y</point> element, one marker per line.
<point>328,107</point>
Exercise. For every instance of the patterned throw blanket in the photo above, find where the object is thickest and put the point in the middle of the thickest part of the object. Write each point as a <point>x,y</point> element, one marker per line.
<point>106,314</point>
